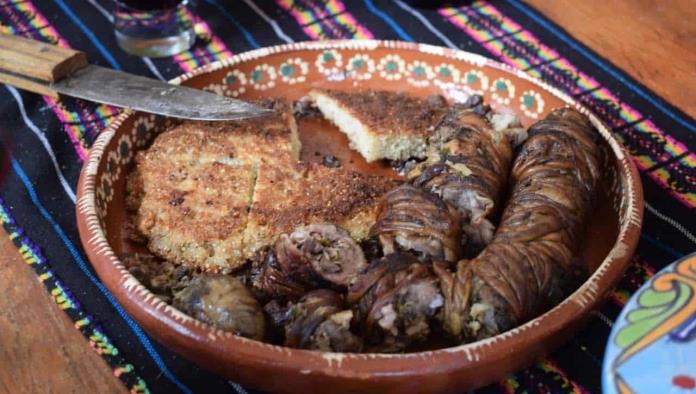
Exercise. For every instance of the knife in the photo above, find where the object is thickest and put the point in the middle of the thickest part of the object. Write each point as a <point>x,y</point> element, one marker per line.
<point>52,71</point>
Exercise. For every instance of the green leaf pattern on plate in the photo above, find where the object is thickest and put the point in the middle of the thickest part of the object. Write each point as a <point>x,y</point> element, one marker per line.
<point>654,307</point>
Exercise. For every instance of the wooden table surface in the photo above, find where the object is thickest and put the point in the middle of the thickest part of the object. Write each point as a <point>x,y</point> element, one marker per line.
<point>654,41</point>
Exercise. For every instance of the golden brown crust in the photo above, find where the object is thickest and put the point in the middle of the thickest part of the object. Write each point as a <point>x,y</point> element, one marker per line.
<point>285,198</point>
<point>391,113</point>
<point>187,220</point>
<point>190,191</point>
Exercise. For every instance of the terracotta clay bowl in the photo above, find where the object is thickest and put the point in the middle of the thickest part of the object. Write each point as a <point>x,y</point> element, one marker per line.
<point>291,71</point>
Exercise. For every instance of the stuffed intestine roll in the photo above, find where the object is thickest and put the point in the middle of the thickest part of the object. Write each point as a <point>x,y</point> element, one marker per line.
<point>414,220</point>
<point>523,271</point>
<point>310,257</point>
<point>396,301</point>
<point>317,321</point>
<point>468,164</point>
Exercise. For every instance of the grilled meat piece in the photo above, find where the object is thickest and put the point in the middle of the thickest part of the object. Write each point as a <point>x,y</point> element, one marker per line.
<point>322,251</point>
<point>316,321</point>
<point>379,277</point>
<point>467,167</point>
<point>412,219</point>
<point>318,255</point>
<point>396,300</point>
<point>525,268</point>
<point>272,280</point>
<point>334,335</point>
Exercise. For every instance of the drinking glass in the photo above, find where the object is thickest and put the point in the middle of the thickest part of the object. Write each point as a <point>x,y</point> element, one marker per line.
<point>154,28</point>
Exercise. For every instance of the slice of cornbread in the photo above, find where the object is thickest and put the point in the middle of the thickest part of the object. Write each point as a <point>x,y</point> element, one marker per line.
<point>191,189</point>
<point>287,197</point>
<point>382,124</point>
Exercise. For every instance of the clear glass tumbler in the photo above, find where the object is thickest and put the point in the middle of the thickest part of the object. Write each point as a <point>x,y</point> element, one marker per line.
<point>154,28</point>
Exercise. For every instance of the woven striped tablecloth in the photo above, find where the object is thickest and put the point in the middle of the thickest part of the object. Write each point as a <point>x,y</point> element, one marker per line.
<point>44,143</point>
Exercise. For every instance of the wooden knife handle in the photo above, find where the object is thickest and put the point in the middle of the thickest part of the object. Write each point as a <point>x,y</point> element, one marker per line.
<point>34,65</point>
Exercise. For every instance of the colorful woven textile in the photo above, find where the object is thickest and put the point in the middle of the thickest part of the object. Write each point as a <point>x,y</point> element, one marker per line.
<point>43,143</point>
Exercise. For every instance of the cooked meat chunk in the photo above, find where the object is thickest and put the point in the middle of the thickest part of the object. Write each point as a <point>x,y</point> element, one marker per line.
<point>380,276</point>
<point>334,335</point>
<point>318,255</point>
<point>273,280</point>
<point>329,251</point>
<point>415,220</point>
<point>316,321</point>
<point>524,269</point>
<point>397,299</point>
<point>224,302</point>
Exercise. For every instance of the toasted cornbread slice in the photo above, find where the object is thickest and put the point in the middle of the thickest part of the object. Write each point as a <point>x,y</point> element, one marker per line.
<point>192,213</point>
<point>267,139</point>
<point>190,191</point>
<point>287,197</point>
<point>382,124</point>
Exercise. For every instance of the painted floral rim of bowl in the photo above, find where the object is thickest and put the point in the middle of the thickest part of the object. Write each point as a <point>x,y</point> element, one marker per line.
<point>587,295</point>
<point>652,345</point>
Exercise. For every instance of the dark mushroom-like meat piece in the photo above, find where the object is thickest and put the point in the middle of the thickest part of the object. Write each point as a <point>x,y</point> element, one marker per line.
<point>316,321</point>
<point>321,251</point>
<point>273,280</point>
<point>411,219</point>
<point>396,299</point>
<point>224,302</point>
<point>529,263</point>
<point>318,255</point>
<point>334,335</point>
<point>379,278</point>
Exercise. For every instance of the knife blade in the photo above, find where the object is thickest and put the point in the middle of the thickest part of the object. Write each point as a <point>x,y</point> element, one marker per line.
<point>52,70</point>
<point>107,86</point>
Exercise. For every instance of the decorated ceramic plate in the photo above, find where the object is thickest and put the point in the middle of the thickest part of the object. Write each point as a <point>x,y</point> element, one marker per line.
<point>652,347</point>
<point>291,71</point>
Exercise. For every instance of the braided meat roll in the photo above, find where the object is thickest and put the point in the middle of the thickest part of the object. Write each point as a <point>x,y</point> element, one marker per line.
<point>467,167</point>
<point>317,321</point>
<point>411,219</point>
<point>395,300</point>
<point>525,268</point>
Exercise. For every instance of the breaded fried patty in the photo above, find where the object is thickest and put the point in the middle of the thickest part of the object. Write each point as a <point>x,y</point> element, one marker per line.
<point>190,191</point>
<point>287,197</point>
